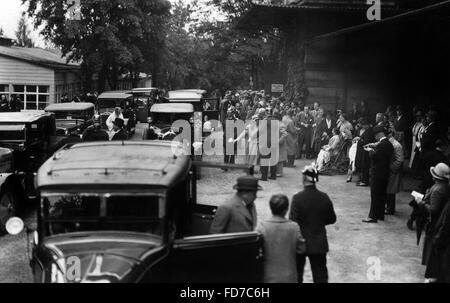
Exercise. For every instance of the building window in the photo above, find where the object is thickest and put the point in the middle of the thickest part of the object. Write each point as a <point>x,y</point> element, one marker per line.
<point>34,97</point>
<point>4,90</point>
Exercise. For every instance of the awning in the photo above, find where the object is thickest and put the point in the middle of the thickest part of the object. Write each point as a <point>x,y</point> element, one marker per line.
<point>431,13</point>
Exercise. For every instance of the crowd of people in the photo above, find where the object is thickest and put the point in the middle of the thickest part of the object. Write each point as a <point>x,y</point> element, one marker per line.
<point>377,151</point>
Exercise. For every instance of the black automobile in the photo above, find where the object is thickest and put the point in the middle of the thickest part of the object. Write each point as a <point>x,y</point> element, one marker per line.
<point>72,118</point>
<point>162,119</point>
<point>27,140</point>
<point>127,212</point>
<point>109,101</point>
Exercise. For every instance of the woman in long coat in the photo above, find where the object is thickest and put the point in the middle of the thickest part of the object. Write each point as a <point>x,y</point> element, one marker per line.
<point>433,204</point>
<point>395,178</point>
<point>283,154</point>
<point>440,260</point>
<point>291,139</point>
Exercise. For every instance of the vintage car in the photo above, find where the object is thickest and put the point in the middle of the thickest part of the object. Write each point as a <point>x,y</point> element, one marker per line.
<point>109,101</point>
<point>197,97</point>
<point>27,140</point>
<point>144,98</point>
<point>128,212</point>
<point>162,118</point>
<point>72,118</point>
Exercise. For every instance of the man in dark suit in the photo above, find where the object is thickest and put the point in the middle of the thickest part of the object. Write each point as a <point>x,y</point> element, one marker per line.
<point>362,156</point>
<point>313,210</point>
<point>119,133</point>
<point>327,125</point>
<point>381,154</point>
<point>305,122</point>
<point>431,133</point>
<point>239,213</point>
<point>431,159</point>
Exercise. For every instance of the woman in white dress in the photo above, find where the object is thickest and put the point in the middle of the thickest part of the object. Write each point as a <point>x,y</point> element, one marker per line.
<point>328,150</point>
<point>251,135</point>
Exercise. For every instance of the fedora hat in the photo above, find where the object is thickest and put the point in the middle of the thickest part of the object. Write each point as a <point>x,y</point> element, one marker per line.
<point>440,172</point>
<point>247,183</point>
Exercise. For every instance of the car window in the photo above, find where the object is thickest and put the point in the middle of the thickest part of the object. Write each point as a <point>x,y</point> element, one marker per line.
<point>70,115</point>
<point>76,213</point>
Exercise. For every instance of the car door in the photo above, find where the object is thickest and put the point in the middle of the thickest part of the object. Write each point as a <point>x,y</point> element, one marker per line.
<point>223,258</point>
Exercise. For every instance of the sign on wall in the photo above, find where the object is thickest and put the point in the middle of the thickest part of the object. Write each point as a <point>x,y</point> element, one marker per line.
<point>277,88</point>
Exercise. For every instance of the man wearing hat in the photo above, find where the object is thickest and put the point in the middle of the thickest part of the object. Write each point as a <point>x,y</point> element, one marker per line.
<point>313,211</point>
<point>381,154</point>
<point>238,214</point>
<point>118,133</point>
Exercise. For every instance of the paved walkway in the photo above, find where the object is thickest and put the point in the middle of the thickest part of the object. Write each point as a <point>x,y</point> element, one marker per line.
<point>352,242</point>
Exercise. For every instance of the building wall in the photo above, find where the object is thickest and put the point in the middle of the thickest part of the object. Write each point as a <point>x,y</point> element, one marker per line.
<point>337,77</point>
<point>15,73</point>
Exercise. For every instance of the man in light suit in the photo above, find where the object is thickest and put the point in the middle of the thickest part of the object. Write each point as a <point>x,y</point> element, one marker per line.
<point>283,240</point>
<point>239,213</point>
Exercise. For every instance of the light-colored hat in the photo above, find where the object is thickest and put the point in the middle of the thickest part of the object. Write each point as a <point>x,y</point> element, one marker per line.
<point>440,172</point>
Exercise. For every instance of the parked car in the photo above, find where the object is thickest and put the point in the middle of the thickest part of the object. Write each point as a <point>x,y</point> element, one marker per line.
<point>162,118</point>
<point>27,140</point>
<point>72,118</point>
<point>197,97</point>
<point>144,98</point>
<point>109,101</point>
<point>128,212</point>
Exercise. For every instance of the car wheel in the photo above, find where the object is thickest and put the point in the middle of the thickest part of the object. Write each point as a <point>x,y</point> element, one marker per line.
<point>8,208</point>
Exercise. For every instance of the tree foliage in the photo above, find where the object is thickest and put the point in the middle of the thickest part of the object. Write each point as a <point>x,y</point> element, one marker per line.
<point>203,52</point>
<point>23,33</point>
<point>110,37</point>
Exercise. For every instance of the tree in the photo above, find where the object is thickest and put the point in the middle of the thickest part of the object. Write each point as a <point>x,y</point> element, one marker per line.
<point>1,31</point>
<point>23,33</point>
<point>110,38</point>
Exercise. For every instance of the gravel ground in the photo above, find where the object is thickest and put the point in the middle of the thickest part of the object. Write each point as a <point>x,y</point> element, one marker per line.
<point>351,241</point>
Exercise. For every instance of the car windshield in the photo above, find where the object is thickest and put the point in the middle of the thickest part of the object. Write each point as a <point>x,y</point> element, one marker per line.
<point>74,115</point>
<point>12,133</point>
<point>81,213</point>
<point>170,118</point>
<point>111,103</point>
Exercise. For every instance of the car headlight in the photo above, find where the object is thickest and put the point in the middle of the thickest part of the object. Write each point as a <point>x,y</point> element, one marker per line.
<point>191,120</point>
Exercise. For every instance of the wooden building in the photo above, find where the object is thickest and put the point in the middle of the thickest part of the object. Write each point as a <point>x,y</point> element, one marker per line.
<point>39,77</point>
<point>338,57</point>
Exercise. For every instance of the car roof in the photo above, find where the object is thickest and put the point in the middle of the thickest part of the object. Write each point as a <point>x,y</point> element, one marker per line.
<point>118,94</point>
<point>143,90</point>
<point>23,117</point>
<point>178,108</point>
<point>186,95</point>
<point>63,107</point>
<point>100,166</point>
